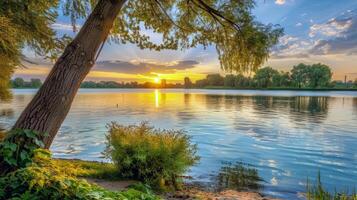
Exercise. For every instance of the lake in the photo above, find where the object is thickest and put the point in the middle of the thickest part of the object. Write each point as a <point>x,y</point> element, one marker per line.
<point>288,136</point>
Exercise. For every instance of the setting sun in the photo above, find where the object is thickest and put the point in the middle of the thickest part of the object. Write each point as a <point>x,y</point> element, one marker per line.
<point>157,80</point>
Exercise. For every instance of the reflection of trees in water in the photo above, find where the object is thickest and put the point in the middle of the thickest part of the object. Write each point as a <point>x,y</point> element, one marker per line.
<point>354,104</point>
<point>238,176</point>
<point>186,114</point>
<point>228,102</point>
<point>7,112</point>
<point>309,108</point>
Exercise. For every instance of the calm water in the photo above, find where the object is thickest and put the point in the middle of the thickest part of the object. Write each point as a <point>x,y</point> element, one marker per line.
<point>288,136</point>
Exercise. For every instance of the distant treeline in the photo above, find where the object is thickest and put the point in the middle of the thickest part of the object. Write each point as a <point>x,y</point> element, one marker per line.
<point>301,76</point>
<point>21,83</point>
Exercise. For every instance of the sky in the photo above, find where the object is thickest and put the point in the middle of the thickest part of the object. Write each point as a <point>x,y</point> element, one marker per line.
<point>316,31</point>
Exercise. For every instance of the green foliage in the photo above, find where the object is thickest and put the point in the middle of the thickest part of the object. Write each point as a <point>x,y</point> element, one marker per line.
<point>313,76</point>
<point>264,77</point>
<point>21,83</point>
<point>16,151</point>
<point>242,43</point>
<point>92,169</point>
<point>25,24</point>
<point>43,179</point>
<point>157,157</point>
<point>238,176</point>
<point>301,76</point>
<point>318,192</point>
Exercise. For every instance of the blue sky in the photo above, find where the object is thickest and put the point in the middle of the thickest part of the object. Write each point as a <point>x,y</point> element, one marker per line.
<point>315,31</point>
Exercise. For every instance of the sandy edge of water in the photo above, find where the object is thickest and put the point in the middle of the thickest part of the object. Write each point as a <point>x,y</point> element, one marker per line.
<point>187,194</point>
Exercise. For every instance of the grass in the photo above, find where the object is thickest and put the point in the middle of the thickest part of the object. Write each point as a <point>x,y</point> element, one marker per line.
<point>238,176</point>
<point>89,169</point>
<point>318,192</point>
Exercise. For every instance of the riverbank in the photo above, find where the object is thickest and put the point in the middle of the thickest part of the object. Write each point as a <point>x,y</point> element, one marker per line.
<point>103,175</point>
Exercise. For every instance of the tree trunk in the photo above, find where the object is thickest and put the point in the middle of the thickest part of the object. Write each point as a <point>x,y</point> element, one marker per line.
<point>48,109</point>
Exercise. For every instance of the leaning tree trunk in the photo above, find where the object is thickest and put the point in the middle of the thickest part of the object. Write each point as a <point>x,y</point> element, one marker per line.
<point>48,109</point>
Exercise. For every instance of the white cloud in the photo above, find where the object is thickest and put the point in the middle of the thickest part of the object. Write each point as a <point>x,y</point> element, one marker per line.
<point>333,28</point>
<point>280,2</point>
<point>298,24</point>
<point>64,27</point>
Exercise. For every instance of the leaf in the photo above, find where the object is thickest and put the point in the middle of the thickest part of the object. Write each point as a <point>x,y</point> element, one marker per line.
<point>11,161</point>
<point>24,155</point>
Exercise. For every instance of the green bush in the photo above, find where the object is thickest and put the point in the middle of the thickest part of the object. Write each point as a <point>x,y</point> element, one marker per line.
<point>43,180</point>
<point>157,157</point>
<point>16,151</point>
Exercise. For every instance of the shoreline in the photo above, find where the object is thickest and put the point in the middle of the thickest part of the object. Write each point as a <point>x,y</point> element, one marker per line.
<point>226,88</point>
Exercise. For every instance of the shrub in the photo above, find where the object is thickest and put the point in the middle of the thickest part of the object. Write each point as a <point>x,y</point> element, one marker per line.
<point>157,157</point>
<point>43,179</point>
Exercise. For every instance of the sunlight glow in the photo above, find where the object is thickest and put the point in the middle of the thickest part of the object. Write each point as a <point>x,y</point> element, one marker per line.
<point>157,80</point>
<point>157,99</point>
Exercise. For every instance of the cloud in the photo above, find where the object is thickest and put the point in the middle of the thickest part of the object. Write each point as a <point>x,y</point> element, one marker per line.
<point>64,27</point>
<point>298,24</point>
<point>143,67</point>
<point>290,46</point>
<point>333,28</point>
<point>335,36</point>
<point>280,2</point>
<point>344,42</point>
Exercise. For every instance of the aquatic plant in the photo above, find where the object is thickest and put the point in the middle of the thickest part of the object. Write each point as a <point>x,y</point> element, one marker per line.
<point>157,157</point>
<point>318,192</point>
<point>238,176</point>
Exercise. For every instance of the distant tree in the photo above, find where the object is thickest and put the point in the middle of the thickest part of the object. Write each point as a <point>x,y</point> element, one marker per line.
<point>319,75</point>
<point>18,83</point>
<point>355,83</point>
<point>215,80</point>
<point>229,80</point>
<point>187,82</point>
<point>35,83</point>
<point>264,76</point>
<point>163,83</point>
<point>242,81</point>
<point>281,79</point>
<point>300,75</point>
<point>201,83</point>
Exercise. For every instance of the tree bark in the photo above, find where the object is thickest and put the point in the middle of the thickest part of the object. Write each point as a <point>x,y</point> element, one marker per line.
<point>50,106</point>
